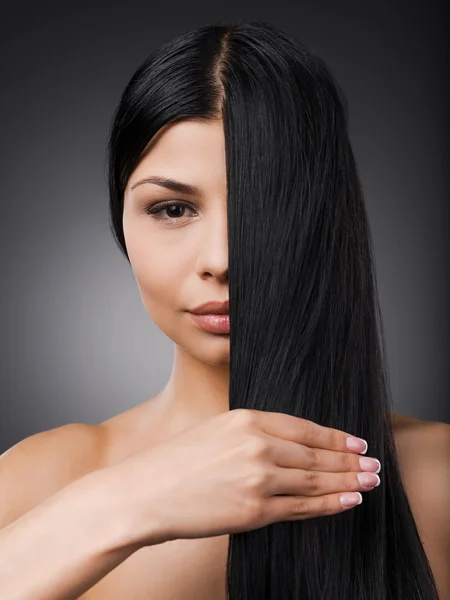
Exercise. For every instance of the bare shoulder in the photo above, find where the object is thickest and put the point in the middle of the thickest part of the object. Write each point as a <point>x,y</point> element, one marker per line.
<point>41,464</point>
<point>423,445</point>
<point>424,454</point>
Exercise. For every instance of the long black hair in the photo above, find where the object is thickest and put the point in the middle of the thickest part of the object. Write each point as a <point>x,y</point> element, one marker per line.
<point>306,331</point>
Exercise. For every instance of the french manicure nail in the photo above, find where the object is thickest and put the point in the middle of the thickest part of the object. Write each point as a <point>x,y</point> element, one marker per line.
<point>357,444</point>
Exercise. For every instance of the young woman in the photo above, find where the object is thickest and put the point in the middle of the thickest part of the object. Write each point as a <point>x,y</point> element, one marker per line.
<point>233,183</point>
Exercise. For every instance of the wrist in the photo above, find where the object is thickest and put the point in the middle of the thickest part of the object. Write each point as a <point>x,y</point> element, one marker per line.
<point>105,515</point>
<point>119,520</point>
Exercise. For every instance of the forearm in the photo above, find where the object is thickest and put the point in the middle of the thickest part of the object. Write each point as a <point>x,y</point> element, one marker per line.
<point>62,547</point>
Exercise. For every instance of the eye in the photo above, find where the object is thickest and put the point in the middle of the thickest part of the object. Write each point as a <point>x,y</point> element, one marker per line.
<point>173,207</point>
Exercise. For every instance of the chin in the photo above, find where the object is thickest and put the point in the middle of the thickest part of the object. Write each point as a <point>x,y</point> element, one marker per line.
<point>212,356</point>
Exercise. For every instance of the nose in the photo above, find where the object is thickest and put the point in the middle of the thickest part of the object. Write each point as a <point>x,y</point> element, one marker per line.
<point>213,249</point>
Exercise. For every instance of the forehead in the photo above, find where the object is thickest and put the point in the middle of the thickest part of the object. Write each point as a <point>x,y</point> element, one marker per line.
<point>188,151</point>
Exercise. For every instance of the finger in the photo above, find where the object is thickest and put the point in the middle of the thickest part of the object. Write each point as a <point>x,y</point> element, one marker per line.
<point>285,453</point>
<point>291,508</point>
<point>298,482</point>
<point>304,431</point>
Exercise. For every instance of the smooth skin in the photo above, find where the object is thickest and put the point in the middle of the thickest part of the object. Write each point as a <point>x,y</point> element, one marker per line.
<point>237,471</point>
<point>184,447</point>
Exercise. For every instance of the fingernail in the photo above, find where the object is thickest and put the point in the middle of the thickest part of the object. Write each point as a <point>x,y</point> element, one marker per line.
<point>369,479</point>
<point>357,444</point>
<point>352,499</point>
<point>368,464</point>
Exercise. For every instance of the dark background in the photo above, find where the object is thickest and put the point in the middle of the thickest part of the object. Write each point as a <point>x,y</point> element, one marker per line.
<point>70,304</point>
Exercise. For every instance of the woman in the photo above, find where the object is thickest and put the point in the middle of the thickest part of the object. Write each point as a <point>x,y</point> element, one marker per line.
<point>232,180</point>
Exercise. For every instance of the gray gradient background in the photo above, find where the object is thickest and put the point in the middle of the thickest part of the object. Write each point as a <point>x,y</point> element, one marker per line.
<point>77,344</point>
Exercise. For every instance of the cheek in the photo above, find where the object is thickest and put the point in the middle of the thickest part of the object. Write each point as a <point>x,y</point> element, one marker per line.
<point>159,272</point>
<point>162,287</point>
<point>159,269</point>
<point>159,281</point>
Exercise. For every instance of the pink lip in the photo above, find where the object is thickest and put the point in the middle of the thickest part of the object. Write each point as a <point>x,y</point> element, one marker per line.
<point>211,308</point>
<point>216,323</point>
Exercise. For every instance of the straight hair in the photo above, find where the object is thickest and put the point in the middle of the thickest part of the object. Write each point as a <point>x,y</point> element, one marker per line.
<point>306,334</point>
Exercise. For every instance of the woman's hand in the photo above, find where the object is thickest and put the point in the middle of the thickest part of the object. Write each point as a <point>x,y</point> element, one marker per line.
<point>239,471</point>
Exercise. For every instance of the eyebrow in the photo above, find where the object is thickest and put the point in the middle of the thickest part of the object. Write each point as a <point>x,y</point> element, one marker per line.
<point>170,184</point>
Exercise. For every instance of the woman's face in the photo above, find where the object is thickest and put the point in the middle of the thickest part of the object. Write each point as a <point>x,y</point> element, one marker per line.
<point>179,256</point>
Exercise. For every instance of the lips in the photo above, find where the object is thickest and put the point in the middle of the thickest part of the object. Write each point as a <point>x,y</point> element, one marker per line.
<point>214,323</point>
<point>212,316</point>
<point>212,308</point>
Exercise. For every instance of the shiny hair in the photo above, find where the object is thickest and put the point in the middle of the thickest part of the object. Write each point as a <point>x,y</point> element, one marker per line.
<point>306,334</point>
